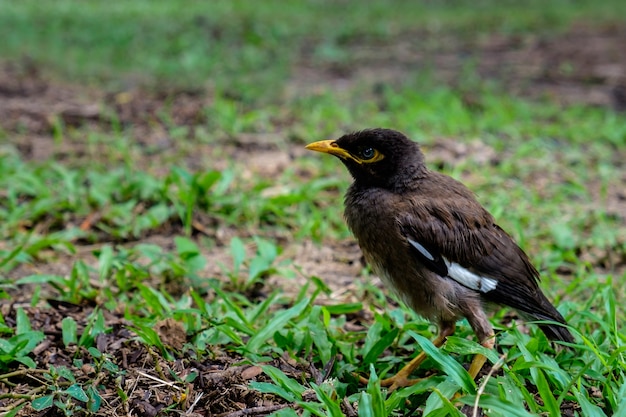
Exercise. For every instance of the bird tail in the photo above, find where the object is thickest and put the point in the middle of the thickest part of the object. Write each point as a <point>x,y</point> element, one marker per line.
<point>557,332</point>
<point>547,312</point>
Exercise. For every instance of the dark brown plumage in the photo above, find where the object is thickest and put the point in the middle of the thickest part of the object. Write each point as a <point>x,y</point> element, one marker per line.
<point>429,239</point>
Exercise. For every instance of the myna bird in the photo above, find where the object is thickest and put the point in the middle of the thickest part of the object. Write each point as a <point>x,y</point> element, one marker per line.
<point>425,235</point>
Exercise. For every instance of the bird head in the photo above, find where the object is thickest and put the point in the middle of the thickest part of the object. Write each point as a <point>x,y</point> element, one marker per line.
<point>377,157</point>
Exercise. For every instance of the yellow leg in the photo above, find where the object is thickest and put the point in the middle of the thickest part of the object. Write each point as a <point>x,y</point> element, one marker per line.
<point>401,379</point>
<point>479,360</point>
<point>476,365</point>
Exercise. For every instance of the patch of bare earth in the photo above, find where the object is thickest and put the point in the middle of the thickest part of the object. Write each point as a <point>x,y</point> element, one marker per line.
<point>585,65</point>
<point>153,385</point>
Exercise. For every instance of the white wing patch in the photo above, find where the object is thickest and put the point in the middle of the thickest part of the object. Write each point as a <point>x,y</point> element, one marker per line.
<point>422,250</point>
<point>460,274</point>
<point>471,280</point>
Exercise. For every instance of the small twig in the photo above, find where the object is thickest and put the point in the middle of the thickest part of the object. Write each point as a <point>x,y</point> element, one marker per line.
<point>190,410</point>
<point>90,220</point>
<point>16,396</point>
<point>12,406</point>
<point>157,364</point>
<point>328,368</point>
<point>350,412</point>
<point>254,410</point>
<point>21,398</point>
<point>96,381</point>
<point>200,227</point>
<point>161,381</point>
<point>23,372</point>
<point>481,389</point>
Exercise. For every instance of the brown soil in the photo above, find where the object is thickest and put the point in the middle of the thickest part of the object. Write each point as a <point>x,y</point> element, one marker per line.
<point>585,65</point>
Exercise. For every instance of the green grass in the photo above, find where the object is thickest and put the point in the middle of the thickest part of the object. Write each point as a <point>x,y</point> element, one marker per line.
<point>240,47</point>
<point>552,173</point>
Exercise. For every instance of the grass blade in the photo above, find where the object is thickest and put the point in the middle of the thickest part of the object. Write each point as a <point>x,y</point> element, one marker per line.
<point>498,405</point>
<point>380,346</point>
<point>447,363</point>
<point>282,380</point>
<point>69,329</point>
<point>279,321</point>
<point>332,405</point>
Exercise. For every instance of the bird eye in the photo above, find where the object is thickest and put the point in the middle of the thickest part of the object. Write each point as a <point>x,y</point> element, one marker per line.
<point>368,153</point>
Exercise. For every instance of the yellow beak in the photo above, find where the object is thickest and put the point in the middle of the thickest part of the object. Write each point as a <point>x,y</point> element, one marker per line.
<point>329,147</point>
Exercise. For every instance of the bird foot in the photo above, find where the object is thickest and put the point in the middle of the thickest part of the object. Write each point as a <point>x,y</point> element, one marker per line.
<point>399,380</point>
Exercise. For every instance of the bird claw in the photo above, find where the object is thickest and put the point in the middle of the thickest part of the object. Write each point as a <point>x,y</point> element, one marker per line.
<point>361,378</point>
<point>393,383</point>
<point>398,381</point>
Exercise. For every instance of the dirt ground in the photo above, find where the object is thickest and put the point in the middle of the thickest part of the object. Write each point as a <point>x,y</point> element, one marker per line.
<point>585,65</point>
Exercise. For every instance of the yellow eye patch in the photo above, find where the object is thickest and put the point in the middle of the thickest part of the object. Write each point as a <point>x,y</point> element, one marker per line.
<point>369,155</point>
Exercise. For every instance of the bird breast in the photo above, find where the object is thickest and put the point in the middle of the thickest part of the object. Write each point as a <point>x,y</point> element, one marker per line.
<point>370,217</point>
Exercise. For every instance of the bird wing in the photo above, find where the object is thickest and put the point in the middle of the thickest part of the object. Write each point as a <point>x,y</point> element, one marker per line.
<point>460,241</point>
